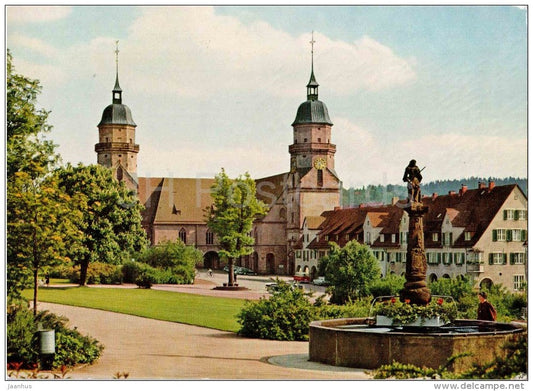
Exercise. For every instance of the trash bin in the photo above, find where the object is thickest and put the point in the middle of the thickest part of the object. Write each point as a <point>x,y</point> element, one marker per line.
<point>47,347</point>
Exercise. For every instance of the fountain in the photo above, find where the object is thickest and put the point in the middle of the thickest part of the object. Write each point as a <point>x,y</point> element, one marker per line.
<point>373,342</point>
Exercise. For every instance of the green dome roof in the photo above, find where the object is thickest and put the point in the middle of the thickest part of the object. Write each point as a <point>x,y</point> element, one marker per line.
<point>312,112</point>
<point>117,114</point>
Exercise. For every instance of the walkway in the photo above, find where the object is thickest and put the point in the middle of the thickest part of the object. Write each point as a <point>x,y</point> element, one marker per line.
<point>152,349</point>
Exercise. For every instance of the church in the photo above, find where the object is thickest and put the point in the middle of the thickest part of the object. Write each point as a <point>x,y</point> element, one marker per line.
<point>175,207</point>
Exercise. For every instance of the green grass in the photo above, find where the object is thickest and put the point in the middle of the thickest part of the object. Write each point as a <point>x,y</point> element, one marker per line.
<point>213,312</point>
<point>58,281</point>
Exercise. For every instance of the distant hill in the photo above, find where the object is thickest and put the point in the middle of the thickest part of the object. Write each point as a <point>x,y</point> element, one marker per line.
<point>384,193</point>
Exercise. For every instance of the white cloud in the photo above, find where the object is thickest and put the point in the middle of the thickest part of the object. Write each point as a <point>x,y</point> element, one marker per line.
<point>364,159</point>
<point>48,75</point>
<point>35,14</point>
<point>201,53</point>
<point>191,160</point>
<point>34,44</point>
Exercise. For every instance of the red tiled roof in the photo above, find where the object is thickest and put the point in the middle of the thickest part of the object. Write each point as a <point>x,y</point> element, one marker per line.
<point>472,210</point>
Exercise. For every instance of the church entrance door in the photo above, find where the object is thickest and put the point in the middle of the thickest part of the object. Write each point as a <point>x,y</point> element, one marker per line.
<point>211,260</point>
<point>271,264</point>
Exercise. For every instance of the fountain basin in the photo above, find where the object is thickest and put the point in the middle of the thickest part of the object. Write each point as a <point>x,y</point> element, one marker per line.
<point>357,343</point>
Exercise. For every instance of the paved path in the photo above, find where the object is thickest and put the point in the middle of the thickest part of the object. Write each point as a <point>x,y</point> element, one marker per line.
<point>153,349</point>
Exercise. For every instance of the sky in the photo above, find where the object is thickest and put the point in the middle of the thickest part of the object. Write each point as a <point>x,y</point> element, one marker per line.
<point>219,86</point>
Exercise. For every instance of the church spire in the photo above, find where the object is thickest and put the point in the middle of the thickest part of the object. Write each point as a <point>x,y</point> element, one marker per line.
<point>117,91</point>
<point>312,86</point>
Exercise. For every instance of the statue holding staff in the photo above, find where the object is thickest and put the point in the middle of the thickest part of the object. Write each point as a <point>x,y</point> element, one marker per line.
<point>412,175</point>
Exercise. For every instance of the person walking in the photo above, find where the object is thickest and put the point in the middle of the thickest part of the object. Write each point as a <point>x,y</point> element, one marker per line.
<point>485,310</point>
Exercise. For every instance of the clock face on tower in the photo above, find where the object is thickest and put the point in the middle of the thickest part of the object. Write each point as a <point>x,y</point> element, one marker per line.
<point>320,163</point>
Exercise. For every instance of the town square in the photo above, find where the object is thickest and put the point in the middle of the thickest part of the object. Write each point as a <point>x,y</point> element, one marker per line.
<point>266,192</point>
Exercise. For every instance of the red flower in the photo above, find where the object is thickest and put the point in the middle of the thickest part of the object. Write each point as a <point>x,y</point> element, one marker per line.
<point>393,300</point>
<point>407,301</point>
<point>440,300</point>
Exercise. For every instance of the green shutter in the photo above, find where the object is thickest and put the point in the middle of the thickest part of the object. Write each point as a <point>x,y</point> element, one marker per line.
<point>516,212</point>
<point>491,258</point>
<point>509,235</point>
<point>523,235</point>
<point>512,259</point>
<point>505,258</point>
<point>494,235</point>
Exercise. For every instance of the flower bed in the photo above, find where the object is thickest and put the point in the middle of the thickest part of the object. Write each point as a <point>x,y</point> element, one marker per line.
<point>394,312</point>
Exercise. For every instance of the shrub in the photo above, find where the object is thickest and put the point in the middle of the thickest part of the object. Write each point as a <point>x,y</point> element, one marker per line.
<point>455,287</point>
<point>98,273</point>
<point>146,278</point>
<point>130,271</point>
<point>388,286</point>
<point>285,316</point>
<point>20,334</point>
<point>175,256</point>
<point>60,271</point>
<point>72,348</point>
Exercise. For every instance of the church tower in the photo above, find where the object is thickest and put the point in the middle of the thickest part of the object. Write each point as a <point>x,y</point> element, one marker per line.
<point>116,148</point>
<point>313,184</point>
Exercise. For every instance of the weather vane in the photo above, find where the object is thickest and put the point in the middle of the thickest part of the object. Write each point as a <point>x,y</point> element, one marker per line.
<point>312,42</point>
<point>116,54</point>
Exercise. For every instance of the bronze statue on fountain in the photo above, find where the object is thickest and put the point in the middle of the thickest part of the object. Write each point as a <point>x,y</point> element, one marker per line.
<point>415,289</point>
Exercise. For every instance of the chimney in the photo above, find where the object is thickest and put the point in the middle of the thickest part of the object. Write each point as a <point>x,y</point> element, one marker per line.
<point>434,196</point>
<point>395,200</point>
<point>452,193</point>
<point>492,185</point>
<point>481,185</point>
<point>463,190</point>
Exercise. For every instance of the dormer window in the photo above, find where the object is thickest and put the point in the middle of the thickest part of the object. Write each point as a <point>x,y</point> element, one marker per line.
<point>468,235</point>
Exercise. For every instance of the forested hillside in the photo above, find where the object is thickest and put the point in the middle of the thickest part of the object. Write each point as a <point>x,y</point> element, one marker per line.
<point>385,193</point>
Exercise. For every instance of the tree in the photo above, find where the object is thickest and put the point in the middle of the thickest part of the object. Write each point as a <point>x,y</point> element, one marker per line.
<point>111,216</point>
<point>38,214</point>
<point>232,214</point>
<point>351,270</point>
<point>40,228</point>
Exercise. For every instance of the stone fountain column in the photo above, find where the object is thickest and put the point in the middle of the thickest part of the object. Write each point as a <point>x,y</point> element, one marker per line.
<point>415,288</point>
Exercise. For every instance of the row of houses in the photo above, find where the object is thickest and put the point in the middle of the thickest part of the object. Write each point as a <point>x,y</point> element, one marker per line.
<point>480,233</point>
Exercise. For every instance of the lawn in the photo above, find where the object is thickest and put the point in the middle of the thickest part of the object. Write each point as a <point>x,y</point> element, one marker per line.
<point>213,312</point>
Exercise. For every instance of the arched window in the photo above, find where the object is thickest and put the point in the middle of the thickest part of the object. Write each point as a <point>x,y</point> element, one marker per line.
<point>283,214</point>
<point>209,237</point>
<point>183,235</point>
<point>320,178</point>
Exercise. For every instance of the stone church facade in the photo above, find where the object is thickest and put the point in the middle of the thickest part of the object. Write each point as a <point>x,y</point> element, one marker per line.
<point>175,207</point>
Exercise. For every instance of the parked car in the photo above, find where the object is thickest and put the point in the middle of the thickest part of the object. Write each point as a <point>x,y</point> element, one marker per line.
<point>320,281</point>
<point>273,287</point>
<point>239,270</point>
<point>245,271</point>
<point>302,278</point>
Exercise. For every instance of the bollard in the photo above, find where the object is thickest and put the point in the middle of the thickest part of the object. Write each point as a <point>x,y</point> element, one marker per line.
<point>47,339</point>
